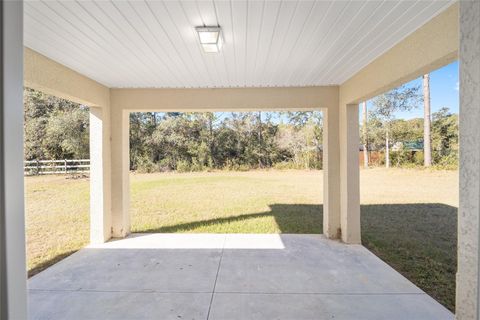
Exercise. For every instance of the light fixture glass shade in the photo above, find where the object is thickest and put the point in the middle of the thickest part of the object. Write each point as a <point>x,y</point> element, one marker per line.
<point>210,48</point>
<point>210,38</point>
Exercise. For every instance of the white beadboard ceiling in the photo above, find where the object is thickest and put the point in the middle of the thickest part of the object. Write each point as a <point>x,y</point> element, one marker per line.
<point>267,43</point>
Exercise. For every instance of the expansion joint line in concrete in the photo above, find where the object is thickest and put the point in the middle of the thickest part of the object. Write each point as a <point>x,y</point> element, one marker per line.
<point>216,277</point>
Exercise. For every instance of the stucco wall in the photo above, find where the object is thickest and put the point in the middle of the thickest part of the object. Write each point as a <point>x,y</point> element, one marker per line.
<point>468,285</point>
<point>231,99</point>
<point>51,77</point>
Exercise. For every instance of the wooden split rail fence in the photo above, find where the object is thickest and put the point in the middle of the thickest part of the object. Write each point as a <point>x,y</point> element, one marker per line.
<point>42,167</point>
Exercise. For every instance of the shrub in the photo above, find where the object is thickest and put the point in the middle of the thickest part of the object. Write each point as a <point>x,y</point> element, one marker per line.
<point>183,166</point>
<point>419,158</point>
<point>284,165</point>
<point>400,157</point>
<point>243,167</point>
<point>301,161</point>
<point>165,165</point>
<point>448,162</point>
<point>145,165</point>
<point>234,165</point>
<point>196,165</point>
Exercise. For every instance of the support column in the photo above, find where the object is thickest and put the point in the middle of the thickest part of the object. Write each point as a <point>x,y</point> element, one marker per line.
<point>13,277</point>
<point>331,174</point>
<point>349,174</point>
<point>120,172</point>
<point>468,285</point>
<point>100,178</point>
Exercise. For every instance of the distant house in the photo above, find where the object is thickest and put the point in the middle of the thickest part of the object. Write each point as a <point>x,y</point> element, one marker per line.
<point>408,146</point>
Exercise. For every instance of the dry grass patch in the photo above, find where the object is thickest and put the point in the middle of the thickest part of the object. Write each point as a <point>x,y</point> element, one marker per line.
<point>57,219</point>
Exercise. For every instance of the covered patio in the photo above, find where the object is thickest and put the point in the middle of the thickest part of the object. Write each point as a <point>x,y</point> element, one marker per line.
<point>122,57</point>
<point>227,276</point>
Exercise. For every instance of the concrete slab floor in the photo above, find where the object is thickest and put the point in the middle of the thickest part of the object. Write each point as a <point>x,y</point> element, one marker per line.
<point>227,276</point>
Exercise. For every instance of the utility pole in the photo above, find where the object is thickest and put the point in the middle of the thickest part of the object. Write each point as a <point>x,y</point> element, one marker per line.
<point>365,135</point>
<point>260,140</point>
<point>387,148</point>
<point>427,149</point>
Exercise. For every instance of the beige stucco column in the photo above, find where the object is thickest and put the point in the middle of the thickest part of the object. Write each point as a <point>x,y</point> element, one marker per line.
<point>331,174</point>
<point>100,177</point>
<point>468,284</point>
<point>13,275</point>
<point>349,174</point>
<point>120,172</point>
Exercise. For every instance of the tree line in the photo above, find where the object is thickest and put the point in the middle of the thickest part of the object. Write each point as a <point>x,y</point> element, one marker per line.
<point>56,128</point>
<point>59,129</point>
<point>233,141</point>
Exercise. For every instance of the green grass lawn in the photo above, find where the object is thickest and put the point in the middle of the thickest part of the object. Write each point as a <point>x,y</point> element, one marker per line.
<point>228,202</point>
<point>408,216</point>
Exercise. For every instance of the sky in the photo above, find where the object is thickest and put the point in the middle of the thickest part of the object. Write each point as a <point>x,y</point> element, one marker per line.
<point>443,92</point>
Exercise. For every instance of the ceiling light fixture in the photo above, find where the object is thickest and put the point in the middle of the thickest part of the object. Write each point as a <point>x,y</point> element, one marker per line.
<point>210,38</point>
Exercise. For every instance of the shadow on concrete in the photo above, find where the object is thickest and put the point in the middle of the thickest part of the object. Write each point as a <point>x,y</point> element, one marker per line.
<point>44,265</point>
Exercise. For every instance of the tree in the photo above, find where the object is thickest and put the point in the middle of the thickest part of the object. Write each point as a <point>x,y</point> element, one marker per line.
<point>403,98</point>
<point>427,149</point>
<point>211,137</point>
<point>54,128</point>
<point>306,138</point>
<point>260,140</point>
<point>445,136</point>
<point>365,134</point>
<point>66,135</point>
